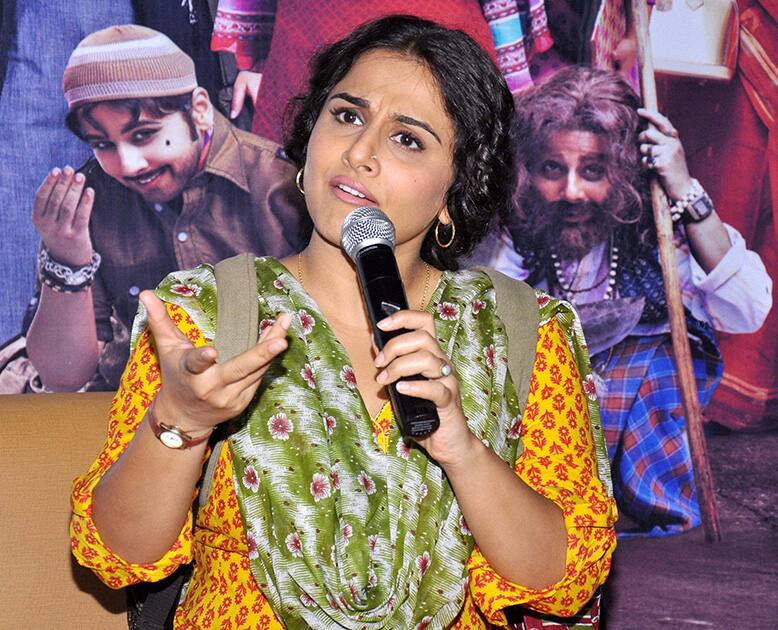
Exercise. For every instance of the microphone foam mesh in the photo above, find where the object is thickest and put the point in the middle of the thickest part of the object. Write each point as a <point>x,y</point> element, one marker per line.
<point>366,226</point>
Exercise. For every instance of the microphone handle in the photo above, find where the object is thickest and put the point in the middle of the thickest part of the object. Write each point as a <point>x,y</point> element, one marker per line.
<point>384,295</point>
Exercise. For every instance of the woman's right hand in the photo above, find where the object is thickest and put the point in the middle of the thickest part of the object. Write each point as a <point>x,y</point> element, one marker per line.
<point>61,214</point>
<point>197,393</point>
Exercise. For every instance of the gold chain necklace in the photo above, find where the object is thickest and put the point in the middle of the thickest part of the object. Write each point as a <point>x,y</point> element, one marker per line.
<point>427,275</point>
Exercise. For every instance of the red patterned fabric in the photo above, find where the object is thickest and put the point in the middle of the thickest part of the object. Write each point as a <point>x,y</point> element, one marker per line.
<point>301,27</point>
<point>244,28</point>
<point>729,150</point>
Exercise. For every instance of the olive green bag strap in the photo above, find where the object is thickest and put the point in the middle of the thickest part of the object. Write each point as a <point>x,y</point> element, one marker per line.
<point>237,328</point>
<point>517,308</point>
<point>516,304</point>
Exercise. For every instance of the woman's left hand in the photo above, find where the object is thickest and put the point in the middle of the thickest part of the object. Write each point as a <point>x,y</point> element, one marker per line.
<point>663,152</point>
<point>418,352</point>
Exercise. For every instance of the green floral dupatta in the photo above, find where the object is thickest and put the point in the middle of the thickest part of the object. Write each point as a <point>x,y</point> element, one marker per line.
<point>340,533</point>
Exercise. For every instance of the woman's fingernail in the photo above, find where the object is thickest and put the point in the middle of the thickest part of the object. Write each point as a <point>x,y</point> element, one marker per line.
<point>56,172</point>
<point>404,387</point>
<point>233,113</point>
<point>384,323</point>
<point>382,377</point>
<point>79,177</point>
<point>379,359</point>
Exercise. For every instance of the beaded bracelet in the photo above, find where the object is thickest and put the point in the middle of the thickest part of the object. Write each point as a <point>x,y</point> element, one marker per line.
<point>65,279</point>
<point>64,288</point>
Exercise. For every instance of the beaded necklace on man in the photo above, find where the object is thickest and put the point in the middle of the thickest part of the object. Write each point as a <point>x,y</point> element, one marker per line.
<point>611,275</point>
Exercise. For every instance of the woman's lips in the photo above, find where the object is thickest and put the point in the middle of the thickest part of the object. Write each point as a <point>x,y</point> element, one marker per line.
<point>351,192</point>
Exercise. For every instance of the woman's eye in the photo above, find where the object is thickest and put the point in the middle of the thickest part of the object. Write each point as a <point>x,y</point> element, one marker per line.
<point>347,116</point>
<point>408,141</point>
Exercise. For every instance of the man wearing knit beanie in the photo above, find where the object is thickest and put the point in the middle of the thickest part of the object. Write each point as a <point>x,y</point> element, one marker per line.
<point>172,185</point>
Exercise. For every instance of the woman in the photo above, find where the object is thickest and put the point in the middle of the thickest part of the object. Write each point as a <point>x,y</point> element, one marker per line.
<point>333,519</point>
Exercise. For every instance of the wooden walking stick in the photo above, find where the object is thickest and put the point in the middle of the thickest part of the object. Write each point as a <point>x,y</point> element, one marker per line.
<point>681,350</point>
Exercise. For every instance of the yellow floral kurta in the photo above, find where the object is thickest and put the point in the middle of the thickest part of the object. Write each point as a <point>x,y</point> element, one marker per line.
<point>557,461</point>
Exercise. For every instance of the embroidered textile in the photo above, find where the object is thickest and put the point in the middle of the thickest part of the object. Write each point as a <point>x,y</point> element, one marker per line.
<point>244,28</point>
<point>517,29</point>
<point>641,276</point>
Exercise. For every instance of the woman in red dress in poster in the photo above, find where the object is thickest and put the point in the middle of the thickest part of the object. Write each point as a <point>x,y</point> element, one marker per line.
<point>273,40</point>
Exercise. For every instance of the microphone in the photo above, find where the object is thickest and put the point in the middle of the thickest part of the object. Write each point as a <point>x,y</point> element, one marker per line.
<point>368,237</point>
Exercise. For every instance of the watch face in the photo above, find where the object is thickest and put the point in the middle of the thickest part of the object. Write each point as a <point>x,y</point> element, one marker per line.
<point>700,209</point>
<point>171,439</point>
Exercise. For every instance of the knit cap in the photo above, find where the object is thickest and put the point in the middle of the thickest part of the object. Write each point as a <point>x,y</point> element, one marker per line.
<point>127,61</point>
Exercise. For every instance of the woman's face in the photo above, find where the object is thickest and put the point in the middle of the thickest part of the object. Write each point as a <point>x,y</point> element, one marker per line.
<point>383,139</point>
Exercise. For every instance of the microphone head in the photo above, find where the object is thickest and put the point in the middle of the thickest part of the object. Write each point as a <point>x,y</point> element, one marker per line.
<point>363,227</point>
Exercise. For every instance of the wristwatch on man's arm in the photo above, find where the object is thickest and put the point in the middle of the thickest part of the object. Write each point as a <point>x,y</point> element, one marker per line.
<point>695,207</point>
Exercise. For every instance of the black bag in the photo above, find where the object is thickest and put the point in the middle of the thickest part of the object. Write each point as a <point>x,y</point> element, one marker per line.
<point>152,605</point>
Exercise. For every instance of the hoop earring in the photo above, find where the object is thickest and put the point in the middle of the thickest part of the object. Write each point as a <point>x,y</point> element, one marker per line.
<point>451,238</point>
<point>298,181</point>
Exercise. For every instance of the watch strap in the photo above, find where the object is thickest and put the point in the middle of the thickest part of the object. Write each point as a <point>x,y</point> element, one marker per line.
<point>171,435</point>
<point>694,207</point>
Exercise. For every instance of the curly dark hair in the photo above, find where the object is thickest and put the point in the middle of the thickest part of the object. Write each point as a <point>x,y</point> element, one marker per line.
<point>476,99</point>
<point>580,98</point>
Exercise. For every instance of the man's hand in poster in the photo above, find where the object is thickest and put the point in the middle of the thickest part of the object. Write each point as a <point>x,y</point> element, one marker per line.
<point>61,215</point>
<point>663,153</point>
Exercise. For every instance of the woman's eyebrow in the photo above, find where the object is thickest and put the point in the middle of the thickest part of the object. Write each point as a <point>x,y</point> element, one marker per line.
<point>408,120</point>
<point>354,100</point>
<point>417,123</point>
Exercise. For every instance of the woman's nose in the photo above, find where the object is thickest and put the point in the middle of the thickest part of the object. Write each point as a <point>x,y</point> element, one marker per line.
<point>362,154</point>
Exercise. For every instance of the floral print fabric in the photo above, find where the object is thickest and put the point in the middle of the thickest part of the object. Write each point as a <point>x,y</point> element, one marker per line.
<point>339,534</point>
<point>223,592</point>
